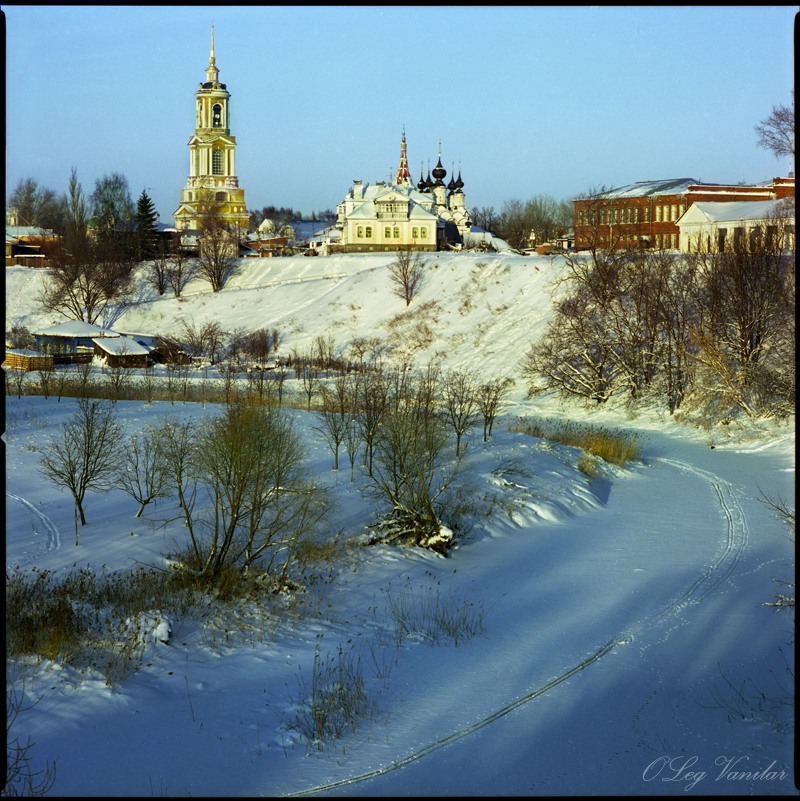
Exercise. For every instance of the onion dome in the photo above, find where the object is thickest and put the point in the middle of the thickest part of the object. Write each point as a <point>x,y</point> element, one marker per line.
<point>421,184</point>
<point>428,181</point>
<point>452,185</point>
<point>459,182</point>
<point>439,172</point>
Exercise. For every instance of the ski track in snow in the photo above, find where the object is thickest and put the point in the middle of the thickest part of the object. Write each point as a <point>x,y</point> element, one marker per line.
<point>53,540</point>
<point>735,540</point>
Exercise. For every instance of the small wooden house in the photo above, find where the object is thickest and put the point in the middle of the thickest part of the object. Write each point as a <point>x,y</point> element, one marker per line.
<point>121,352</point>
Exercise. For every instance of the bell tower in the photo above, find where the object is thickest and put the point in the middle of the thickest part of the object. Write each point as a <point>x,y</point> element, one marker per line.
<point>212,158</point>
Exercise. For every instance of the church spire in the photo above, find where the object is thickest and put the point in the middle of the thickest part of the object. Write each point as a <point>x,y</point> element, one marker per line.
<point>403,177</point>
<point>212,73</point>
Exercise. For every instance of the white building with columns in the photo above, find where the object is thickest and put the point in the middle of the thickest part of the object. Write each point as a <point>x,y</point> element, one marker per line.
<point>388,216</point>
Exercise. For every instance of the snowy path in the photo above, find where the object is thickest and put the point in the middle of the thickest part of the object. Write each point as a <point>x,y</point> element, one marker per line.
<point>53,537</point>
<point>735,539</point>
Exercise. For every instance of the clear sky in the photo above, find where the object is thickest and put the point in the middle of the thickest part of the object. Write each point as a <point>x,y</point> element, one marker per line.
<point>528,100</point>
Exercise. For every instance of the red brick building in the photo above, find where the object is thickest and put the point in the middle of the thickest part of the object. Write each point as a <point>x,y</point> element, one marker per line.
<point>646,214</point>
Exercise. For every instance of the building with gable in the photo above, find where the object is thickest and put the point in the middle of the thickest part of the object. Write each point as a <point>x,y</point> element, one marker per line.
<point>212,181</point>
<point>716,227</point>
<point>388,216</point>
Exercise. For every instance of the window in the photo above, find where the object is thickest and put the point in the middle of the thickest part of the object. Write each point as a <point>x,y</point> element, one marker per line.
<point>360,232</point>
<point>674,210</point>
<point>636,215</point>
<point>216,162</point>
<point>387,232</point>
<point>221,196</point>
<point>423,234</point>
<point>217,120</point>
<point>369,232</point>
<point>414,233</point>
<point>396,232</point>
<point>658,213</point>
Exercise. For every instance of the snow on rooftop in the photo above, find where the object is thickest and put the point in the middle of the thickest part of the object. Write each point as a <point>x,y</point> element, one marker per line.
<point>737,210</point>
<point>667,186</point>
<point>76,328</point>
<point>121,346</point>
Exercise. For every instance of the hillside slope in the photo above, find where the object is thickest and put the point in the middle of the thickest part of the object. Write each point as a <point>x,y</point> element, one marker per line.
<point>476,311</point>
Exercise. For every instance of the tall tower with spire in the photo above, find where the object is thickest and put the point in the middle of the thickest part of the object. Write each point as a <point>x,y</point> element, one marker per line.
<point>403,177</point>
<point>212,179</point>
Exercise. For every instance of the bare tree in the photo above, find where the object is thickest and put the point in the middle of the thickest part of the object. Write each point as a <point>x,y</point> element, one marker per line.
<point>116,374</point>
<point>148,383</point>
<point>84,378</point>
<point>178,450</point>
<point>460,406</point>
<point>412,472</point>
<point>89,279</point>
<point>219,249</point>
<point>776,132</point>
<point>45,374</point>
<point>143,473</point>
<point>16,379</point>
<point>250,462</point>
<point>372,398</point>
<point>407,274</point>
<point>336,413</point>
<point>490,398</point>
<point>309,375</point>
<point>180,270</point>
<point>158,272</point>
<point>86,454</point>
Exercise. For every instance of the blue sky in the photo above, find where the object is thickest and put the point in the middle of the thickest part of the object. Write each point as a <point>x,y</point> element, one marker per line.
<point>529,100</point>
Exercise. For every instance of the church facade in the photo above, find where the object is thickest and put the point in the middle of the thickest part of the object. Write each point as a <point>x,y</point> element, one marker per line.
<point>212,181</point>
<point>388,216</point>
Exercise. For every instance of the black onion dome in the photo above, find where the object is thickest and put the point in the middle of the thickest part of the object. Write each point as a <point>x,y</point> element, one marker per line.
<point>439,172</point>
<point>459,182</point>
<point>421,184</point>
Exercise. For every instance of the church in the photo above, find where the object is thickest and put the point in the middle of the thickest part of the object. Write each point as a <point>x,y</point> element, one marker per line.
<point>384,216</point>
<point>212,159</point>
<point>388,216</point>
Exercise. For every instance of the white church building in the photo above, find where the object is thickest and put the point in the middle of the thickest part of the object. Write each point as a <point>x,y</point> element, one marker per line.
<point>387,216</point>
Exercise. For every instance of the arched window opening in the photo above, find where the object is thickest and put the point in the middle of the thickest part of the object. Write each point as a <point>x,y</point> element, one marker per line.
<point>216,162</point>
<point>217,115</point>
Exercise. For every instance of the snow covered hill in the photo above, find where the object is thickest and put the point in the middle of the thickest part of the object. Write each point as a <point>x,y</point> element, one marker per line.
<point>476,311</point>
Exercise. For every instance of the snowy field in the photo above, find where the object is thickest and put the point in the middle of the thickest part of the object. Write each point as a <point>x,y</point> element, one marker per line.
<point>626,647</point>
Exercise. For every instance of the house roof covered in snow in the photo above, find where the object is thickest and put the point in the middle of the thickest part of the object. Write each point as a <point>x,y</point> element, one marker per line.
<point>737,211</point>
<point>666,186</point>
<point>121,346</point>
<point>76,328</point>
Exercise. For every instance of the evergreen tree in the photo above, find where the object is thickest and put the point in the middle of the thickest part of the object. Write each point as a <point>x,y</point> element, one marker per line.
<point>147,236</point>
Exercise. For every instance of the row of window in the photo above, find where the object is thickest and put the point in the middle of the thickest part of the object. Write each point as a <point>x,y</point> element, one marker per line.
<point>389,232</point>
<point>219,196</point>
<point>666,241</point>
<point>669,213</point>
<point>666,212</point>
